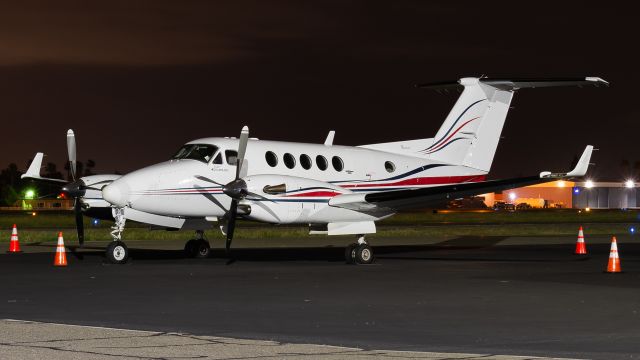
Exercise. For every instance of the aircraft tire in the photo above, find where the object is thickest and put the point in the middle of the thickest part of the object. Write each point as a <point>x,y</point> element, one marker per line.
<point>190,248</point>
<point>364,254</point>
<point>202,249</point>
<point>350,253</point>
<point>117,252</point>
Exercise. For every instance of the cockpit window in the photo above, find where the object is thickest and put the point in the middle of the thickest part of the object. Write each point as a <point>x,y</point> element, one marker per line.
<point>200,152</point>
<point>232,157</point>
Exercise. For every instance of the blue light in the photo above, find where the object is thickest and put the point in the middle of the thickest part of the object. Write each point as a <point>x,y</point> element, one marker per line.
<point>576,190</point>
<point>632,230</point>
<point>95,221</point>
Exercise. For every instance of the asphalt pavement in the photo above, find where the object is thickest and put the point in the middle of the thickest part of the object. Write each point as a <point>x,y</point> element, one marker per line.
<point>521,296</point>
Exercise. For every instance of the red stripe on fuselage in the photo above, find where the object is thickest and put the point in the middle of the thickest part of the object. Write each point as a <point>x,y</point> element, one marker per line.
<point>438,180</point>
<point>316,194</point>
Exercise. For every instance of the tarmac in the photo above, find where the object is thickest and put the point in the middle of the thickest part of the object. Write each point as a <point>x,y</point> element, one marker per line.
<point>468,297</point>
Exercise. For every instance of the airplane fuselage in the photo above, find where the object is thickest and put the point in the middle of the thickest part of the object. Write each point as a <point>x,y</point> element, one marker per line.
<point>312,173</point>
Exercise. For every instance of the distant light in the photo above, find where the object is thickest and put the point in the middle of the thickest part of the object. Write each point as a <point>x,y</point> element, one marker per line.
<point>576,190</point>
<point>29,194</point>
<point>632,230</point>
<point>33,213</point>
<point>95,221</point>
<point>629,184</point>
<point>560,183</point>
<point>587,209</point>
<point>512,196</point>
<point>589,184</point>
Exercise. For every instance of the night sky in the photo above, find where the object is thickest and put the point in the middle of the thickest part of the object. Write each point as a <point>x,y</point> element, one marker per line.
<point>137,79</point>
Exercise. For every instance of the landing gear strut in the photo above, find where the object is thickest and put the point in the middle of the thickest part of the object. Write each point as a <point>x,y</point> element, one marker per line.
<point>117,252</point>
<point>359,253</point>
<point>198,247</point>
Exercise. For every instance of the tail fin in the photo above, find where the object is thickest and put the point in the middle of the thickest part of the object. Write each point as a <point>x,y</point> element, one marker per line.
<point>470,134</point>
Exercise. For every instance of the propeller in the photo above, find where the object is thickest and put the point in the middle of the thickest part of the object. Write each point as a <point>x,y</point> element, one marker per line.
<point>236,189</point>
<point>77,188</point>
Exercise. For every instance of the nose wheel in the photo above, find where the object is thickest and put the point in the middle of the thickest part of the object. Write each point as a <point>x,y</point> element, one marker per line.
<point>117,252</point>
<point>359,253</point>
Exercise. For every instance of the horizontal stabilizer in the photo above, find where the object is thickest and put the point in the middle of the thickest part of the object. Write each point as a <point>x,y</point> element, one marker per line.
<point>33,172</point>
<point>515,84</point>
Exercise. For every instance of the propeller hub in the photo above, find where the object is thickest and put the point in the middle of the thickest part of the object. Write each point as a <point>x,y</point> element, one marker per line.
<point>237,189</point>
<point>75,189</point>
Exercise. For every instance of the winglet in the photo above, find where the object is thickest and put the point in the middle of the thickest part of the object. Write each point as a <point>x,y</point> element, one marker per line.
<point>34,168</point>
<point>330,136</point>
<point>578,171</point>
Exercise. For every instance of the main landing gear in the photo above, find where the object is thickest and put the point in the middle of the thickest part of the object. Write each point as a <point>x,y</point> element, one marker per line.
<point>359,253</point>
<point>198,247</point>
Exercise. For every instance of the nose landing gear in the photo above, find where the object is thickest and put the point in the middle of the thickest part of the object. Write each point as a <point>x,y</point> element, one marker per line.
<point>117,252</point>
<point>359,253</point>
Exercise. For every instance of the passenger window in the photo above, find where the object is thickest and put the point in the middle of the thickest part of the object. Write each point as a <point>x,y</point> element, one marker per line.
<point>289,160</point>
<point>272,158</point>
<point>232,157</point>
<point>305,161</point>
<point>389,166</point>
<point>338,164</point>
<point>322,163</point>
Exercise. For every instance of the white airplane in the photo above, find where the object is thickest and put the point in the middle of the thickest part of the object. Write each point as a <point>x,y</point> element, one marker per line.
<point>335,190</point>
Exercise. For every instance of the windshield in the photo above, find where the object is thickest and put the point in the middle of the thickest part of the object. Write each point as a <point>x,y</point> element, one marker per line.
<point>200,152</point>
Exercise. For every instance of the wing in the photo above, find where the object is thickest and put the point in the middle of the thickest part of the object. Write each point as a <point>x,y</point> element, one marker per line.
<point>421,197</point>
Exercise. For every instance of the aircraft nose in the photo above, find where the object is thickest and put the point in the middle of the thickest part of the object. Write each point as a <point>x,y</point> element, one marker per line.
<point>116,193</point>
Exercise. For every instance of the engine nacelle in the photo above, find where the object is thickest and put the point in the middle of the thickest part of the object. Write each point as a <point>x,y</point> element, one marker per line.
<point>289,199</point>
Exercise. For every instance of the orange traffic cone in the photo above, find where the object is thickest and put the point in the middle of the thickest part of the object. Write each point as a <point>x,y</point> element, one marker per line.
<point>581,248</point>
<point>614,258</point>
<point>14,245</point>
<point>61,255</point>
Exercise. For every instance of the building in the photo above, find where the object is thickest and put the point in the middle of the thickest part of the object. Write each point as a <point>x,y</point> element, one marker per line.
<point>568,194</point>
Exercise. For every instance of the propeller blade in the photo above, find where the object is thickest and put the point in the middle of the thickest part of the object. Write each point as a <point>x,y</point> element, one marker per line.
<point>71,151</point>
<point>77,208</point>
<point>231,224</point>
<point>242,149</point>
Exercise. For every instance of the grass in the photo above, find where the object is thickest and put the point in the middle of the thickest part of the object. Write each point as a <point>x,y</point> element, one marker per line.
<point>45,226</point>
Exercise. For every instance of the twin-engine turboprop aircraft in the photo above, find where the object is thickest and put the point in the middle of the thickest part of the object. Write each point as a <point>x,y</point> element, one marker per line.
<point>335,190</point>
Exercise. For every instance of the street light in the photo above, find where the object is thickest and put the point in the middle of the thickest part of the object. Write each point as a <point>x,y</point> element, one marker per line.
<point>629,184</point>
<point>589,184</point>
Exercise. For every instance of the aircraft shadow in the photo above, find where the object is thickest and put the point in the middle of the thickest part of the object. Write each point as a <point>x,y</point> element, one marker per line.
<point>466,248</point>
